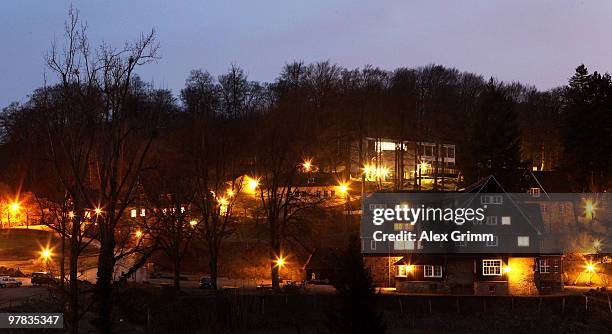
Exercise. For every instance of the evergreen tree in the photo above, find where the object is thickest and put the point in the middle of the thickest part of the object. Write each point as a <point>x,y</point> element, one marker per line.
<point>587,134</point>
<point>357,312</point>
<point>495,135</point>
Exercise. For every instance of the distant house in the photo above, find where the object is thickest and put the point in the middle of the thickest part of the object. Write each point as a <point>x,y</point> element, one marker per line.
<point>467,271</point>
<point>322,265</point>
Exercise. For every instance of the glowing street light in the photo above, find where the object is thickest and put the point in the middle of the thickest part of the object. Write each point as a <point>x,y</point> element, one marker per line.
<point>307,165</point>
<point>138,234</point>
<point>423,166</point>
<point>589,209</point>
<point>193,223</point>
<point>98,211</point>
<point>251,184</point>
<point>280,261</point>
<point>15,207</point>
<point>597,245</point>
<point>590,267</point>
<point>343,188</point>
<point>230,192</point>
<point>46,254</point>
<point>71,214</point>
<point>409,268</point>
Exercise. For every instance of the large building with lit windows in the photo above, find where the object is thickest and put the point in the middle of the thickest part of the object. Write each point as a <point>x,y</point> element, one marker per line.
<point>405,164</point>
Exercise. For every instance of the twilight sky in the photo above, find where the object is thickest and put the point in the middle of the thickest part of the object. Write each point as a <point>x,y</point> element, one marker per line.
<point>535,42</point>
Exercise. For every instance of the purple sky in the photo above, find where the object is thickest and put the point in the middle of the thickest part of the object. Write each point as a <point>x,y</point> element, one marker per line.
<point>535,42</point>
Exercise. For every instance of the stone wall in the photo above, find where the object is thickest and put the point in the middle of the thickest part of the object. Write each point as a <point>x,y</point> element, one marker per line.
<point>382,269</point>
<point>521,278</point>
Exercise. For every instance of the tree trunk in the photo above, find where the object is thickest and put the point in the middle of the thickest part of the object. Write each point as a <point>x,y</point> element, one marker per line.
<point>62,263</point>
<point>177,270</point>
<point>212,266</point>
<point>73,318</point>
<point>106,266</point>
<point>275,252</point>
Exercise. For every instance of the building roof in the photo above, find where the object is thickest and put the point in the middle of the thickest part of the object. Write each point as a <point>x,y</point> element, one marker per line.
<point>323,258</point>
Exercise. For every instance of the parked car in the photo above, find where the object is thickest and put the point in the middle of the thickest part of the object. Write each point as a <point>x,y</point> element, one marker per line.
<point>42,277</point>
<point>206,283</point>
<point>7,282</point>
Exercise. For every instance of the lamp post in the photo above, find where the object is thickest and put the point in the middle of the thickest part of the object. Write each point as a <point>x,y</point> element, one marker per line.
<point>343,189</point>
<point>45,255</point>
<point>14,208</point>
<point>280,263</point>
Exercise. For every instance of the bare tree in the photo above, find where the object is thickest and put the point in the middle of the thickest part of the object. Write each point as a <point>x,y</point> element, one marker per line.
<point>110,140</point>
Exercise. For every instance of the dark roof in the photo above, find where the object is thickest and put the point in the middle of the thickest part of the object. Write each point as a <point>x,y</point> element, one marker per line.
<point>323,258</point>
<point>420,259</point>
<point>550,181</point>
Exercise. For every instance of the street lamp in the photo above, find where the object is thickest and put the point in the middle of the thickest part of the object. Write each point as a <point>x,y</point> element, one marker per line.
<point>13,208</point>
<point>98,211</point>
<point>45,255</point>
<point>138,234</point>
<point>307,165</point>
<point>590,269</point>
<point>251,184</point>
<point>589,209</point>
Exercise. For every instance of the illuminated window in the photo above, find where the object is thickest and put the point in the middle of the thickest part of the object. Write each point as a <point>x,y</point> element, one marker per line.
<point>544,266</point>
<point>402,271</point>
<point>494,242</point>
<point>133,213</point>
<point>143,212</point>
<point>534,192</point>
<point>491,267</point>
<point>506,220</point>
<point>522,241</point>
<point>432,271</point>
<point>403,245</point>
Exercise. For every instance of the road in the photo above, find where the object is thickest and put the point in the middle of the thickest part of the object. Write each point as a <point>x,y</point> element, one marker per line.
<point>13,296</point>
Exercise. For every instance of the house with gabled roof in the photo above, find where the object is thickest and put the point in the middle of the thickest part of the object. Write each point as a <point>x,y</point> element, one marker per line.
<point>468,270</point>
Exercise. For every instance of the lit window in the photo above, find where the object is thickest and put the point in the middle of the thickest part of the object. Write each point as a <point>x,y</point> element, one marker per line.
<point>534,192</point>
<point>523,241</point>
<point>491,267</point>
<point>432,271</point>
<point>402,270</point>
<point>494,242</point>
<point>544,266</point>
<point>403,245</point>
<point>506,220</point>
<point>143,212</point>
<point>133,213</point>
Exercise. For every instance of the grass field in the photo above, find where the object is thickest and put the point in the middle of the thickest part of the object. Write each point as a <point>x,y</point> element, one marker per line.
<point>20,248</point>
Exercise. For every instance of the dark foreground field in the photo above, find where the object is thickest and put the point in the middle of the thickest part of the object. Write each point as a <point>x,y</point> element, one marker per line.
<point>155,310</point>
